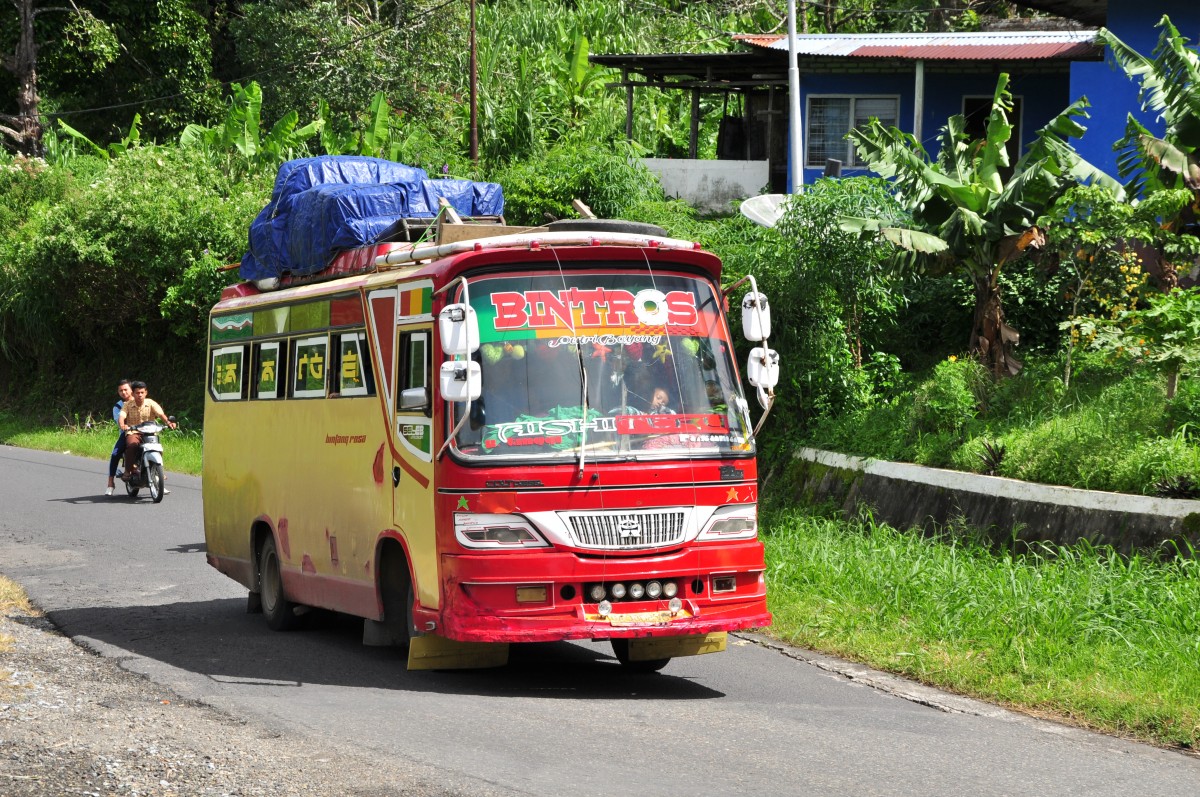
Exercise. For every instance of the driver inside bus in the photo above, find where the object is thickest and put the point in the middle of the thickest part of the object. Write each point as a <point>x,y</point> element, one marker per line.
<point>139,409</point>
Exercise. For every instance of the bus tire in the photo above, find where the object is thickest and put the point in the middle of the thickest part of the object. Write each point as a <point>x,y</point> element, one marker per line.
<point>621,651</point>
<point>279,611</point>
<point>396,590</point>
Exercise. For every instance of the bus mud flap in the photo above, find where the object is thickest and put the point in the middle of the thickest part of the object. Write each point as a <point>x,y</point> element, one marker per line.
<point>432,652</point>
<point>651,648</point>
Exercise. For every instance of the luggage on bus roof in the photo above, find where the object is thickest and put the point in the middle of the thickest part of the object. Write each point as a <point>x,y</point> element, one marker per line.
<point>323,205</point>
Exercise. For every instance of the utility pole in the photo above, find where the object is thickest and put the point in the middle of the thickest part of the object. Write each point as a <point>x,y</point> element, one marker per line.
<point>474,94</point>
<point>795,137</point>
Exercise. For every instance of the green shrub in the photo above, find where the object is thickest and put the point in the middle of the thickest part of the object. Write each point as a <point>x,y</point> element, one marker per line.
<point>950,398</point>
<point>609,180</point>
<point>1183,411</point>
<point>84,276</point>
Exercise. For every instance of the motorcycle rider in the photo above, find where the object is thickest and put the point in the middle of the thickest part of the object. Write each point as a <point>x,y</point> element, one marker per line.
<point>136,410</point>
<point>124,393</point>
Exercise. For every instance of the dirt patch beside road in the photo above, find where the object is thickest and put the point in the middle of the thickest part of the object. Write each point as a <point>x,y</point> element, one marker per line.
<point>75,723</point>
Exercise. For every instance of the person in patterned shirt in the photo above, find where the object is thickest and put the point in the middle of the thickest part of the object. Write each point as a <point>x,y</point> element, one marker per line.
<point>138,409</point>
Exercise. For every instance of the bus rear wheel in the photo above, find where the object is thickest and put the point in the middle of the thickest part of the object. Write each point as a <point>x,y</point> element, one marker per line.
<point>279,611</point>
<point>621,651</point>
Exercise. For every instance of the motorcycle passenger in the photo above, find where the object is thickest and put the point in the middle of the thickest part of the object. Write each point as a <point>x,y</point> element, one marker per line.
<point>124,393</point>
<point>138,409</point>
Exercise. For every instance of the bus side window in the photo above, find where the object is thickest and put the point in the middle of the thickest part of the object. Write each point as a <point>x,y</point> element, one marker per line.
<point>352,367</point>
<point>310,360</point>
<point>270,369</point>
<point>412,390</point>
<point>228,374</point>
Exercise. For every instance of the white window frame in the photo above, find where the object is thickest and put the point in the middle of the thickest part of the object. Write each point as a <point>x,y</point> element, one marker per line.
<point>280,370</point>
<point>229,395</point>
<point>297,344</point>
<point>848,155</point>
<point>360,348</point>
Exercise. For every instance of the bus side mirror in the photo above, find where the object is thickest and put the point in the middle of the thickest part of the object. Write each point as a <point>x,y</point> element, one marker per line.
<point>459,329</point>
<point>756,316</point>
<point>461,380</point>
<point>762,369</point>
<point>414,398</point>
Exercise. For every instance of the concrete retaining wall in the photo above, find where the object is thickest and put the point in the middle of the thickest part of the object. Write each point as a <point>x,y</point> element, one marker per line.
<point>907,496</point>
<point>710,185</point>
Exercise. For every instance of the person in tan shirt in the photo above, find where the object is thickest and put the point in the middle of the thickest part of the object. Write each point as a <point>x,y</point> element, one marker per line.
<point>138,409</point>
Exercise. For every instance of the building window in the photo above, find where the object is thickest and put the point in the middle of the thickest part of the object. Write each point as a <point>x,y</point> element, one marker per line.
<point>831,118</point>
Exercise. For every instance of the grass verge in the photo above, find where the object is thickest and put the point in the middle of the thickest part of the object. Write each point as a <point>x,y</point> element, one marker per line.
<point>1079,634</point>
<point>1112,429</point>
<point>181,448</point>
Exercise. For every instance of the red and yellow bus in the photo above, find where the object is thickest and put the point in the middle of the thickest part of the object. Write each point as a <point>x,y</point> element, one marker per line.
<point>518,438</point>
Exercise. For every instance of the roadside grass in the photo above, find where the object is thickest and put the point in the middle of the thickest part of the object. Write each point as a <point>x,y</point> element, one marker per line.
<point>181,448</point>
<point>1078,634</point>
<point>1112,429</point>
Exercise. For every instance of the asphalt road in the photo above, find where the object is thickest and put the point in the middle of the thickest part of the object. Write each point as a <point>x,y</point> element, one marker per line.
<point>129,579</point>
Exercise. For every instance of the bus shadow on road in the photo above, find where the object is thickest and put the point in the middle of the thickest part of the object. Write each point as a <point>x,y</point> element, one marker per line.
<point>217,639</point>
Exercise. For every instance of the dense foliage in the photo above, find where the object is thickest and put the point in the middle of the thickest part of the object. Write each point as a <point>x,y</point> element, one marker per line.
<point>135,235</point>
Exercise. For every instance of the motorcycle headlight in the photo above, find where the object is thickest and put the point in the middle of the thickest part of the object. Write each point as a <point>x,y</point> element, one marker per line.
<point>496,531</point>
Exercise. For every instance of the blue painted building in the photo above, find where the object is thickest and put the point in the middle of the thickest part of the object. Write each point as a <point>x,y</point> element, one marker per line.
<point>912,81</point>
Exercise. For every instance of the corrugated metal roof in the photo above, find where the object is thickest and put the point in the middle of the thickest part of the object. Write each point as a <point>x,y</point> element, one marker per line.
<point>1000,45</point>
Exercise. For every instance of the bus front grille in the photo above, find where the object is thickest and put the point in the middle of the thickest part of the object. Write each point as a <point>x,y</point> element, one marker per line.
<point>627,530</point>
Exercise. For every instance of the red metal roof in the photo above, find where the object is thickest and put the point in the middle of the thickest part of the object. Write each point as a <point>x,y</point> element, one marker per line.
<point>986,46</point>
<point>992,52</point>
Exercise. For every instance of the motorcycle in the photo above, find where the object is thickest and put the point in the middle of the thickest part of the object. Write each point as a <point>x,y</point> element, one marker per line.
<point>148,472</point>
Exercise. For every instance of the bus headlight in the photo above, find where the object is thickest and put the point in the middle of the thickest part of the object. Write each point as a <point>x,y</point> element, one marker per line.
<point>737,522</point>
<point>496,531</point>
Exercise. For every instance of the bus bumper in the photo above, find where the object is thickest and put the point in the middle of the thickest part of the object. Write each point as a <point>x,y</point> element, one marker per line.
<point>541,597</point>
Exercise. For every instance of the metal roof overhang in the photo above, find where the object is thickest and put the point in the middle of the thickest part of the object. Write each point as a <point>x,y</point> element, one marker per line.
<point>702,70</point>
<point>762,68</point>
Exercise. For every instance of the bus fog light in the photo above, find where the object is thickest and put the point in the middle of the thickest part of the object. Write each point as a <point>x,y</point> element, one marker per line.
<point>605,608</point>
<point>670,589</point>
<point>675,605</point>
<point>617,590</point>
<point>636,591</point>
<point>653,590</point>
<point>596,593</point>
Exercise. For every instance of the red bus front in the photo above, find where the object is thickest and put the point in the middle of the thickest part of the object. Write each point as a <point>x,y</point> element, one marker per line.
<point>601,481</point>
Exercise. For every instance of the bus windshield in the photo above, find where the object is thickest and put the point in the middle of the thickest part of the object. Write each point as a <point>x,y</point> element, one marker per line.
<point>607,364</point>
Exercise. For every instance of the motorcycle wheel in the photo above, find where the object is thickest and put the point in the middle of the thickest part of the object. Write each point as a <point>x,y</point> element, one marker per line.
<point>132,488</point>
<point>155,479</point>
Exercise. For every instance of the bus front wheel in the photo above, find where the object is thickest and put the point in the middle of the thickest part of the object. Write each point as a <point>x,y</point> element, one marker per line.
<point>398,599</point>
<point>621,651</point>
<point>279,611</point>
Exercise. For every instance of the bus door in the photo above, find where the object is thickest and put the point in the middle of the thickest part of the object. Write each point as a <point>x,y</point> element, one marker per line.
<point>406,347</point>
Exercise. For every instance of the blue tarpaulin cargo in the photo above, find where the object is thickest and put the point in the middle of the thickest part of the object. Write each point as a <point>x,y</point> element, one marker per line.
<point>321,206</point>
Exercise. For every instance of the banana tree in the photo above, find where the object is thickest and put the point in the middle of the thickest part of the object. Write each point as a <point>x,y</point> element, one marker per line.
<point>1170,86</point>
<point>242,131</point>
<point>982,212</point>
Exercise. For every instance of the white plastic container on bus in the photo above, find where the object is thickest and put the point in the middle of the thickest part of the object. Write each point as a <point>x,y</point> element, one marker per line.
<point>459,329</point>
<point>756,316</point>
